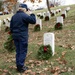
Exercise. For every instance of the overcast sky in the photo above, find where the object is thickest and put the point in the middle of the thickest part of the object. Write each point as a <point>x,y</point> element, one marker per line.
<point>67,2</point>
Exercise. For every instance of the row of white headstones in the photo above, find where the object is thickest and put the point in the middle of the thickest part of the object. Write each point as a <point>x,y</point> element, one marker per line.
<point>44,14</point>
<point>48,38</point>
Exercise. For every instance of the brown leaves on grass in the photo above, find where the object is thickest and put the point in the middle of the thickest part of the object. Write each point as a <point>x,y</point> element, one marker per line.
<point>68,46</point>
<point>5,72</point>
<point>34,63</point>
<point>61,60</point>
<point>29,54</point>
<point>12,67</point>
<point>57,70</point>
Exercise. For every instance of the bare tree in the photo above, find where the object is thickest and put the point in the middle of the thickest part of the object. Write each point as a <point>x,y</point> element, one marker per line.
<point>1,5</point>
<point>48,6</point>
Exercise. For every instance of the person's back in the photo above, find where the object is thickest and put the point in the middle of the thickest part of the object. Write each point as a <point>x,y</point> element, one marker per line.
<point>21,21</point>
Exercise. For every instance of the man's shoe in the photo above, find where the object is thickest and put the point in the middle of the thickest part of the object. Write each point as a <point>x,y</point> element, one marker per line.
<point>23,69</point>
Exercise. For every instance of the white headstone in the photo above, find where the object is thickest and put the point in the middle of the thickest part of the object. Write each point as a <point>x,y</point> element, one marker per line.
<point>59,10</point>
<point>60,19</point>
<point>39,21</point>
<point>49,40</point>
<point>41,15</point>
<point>47,14</point>
<point>64,12</point>
<point>68,8</point>
<point>0,24</point>
<point>38,14</point>
<point>54,12</point>
<point>8,19</point>
<point>44,13</point>
<point>6,23</point>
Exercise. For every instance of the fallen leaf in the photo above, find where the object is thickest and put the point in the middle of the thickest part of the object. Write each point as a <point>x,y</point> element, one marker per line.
<point>28,71</point>
<point>12,67</point>
<point>4,74</point>
<point>13,60</point>
<point>32,73</point>
<point>63,70</point>
<point>32,66</point>
<point>52,71</point>
<point>64,62</point>
<point>6,71</point>
<point>38,72</point>
<point>51,63</point>
<point>58,59</point>
<point>57,68</point>
<point>56,73</point>
<point>45,69</point>
<point>73,47</point>
<point>70,69</point>
<point>63,53</point>
<point>31,61</point>
<point>9,61</point>
<point>47,62</point>
<point>1,70</point>
<point>29,53</point>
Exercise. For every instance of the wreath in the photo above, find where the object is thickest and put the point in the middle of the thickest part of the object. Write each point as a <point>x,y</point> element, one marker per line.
<point>47,18</point>
<point>44,52</point>
<point>56,12</point>
<point>37,27</point>
<point>58,26</point>
<point>7,29</point>
<point>52,14</point>
<point>63,15</point>
<point>59,10</point>
<point>41,17</point>
<point>9,44</point>
<point>38,15</point>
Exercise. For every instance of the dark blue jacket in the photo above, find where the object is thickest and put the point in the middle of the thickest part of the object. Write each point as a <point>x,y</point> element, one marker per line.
<point>20,21</point>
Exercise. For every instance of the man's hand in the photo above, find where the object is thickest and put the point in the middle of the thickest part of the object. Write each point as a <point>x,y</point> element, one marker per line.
<point>29,12</point>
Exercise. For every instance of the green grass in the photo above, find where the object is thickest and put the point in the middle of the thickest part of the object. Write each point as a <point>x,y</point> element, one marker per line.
<point>64,41</point>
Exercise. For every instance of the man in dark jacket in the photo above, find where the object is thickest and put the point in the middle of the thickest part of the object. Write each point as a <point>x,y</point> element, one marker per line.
<point>19,29</point>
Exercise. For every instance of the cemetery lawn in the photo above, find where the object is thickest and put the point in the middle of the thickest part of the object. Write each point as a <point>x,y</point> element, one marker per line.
<point>62,63</point>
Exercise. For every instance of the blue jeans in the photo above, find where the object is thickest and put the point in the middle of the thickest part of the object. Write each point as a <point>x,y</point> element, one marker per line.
<point>21,43</point>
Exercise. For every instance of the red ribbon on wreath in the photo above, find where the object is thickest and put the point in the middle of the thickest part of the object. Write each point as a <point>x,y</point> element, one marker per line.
<point>45,49</point>
<point>58,25</point>
<point>9,32</point>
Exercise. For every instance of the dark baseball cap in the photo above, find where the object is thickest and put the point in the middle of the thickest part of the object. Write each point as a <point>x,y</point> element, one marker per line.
<point>24,6</point>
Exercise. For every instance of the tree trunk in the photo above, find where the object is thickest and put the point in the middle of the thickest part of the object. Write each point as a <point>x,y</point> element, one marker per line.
<point>48,6</point>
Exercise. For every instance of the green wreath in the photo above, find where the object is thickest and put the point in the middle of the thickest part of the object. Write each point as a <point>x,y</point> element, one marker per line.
<point>58,26</point>
<point>47,18</point>
<point>63,15</point>
<point>52,14</point>
<point>9,44</point>
<point>37,27</point>
<point>41,17</point>
<point>38,15</point>
<point>44,52</point>
<point>7,29</point>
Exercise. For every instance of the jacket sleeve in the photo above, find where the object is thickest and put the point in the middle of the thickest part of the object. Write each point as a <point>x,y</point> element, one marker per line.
<point>31,19</point>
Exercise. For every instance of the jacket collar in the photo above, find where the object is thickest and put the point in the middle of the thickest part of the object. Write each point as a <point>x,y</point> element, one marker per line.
<point>20,11</point>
